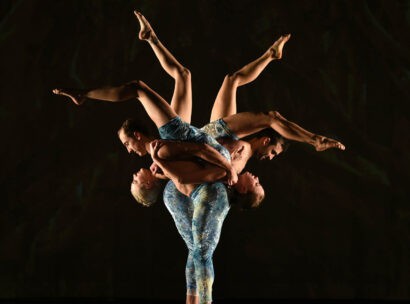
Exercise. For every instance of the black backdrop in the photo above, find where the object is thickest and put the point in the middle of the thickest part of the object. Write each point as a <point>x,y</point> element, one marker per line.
<point>334,224</point>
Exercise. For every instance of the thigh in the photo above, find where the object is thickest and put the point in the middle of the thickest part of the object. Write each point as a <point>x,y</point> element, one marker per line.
<point>181,209</point>
<point>225,102</point>
<point>219,129</point>
<point>211,206</point>
<point>176,129</point>
<point>182,98</point>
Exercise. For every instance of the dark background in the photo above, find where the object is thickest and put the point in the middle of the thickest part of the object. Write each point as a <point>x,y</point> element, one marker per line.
<point>334,224</point>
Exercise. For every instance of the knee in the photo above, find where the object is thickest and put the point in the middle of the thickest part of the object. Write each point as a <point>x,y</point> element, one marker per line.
<point>137,83</point>
<point>184,73</point>
<point>139,86</point>
<point>232,78</point>
<point>201,255</point>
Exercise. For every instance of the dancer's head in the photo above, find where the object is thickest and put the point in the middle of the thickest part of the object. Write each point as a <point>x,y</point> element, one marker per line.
<point>268,144</point>
<point>145,187</point>
<point>134,136</point>
<point>249,192</point>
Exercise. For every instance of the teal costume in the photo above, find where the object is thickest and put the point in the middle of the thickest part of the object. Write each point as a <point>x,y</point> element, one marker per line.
<point>200,216</point>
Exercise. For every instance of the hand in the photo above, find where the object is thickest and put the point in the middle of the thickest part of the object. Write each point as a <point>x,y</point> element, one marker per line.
<point>155,145</point>
<point>232,177</point>
<point>154,168</point>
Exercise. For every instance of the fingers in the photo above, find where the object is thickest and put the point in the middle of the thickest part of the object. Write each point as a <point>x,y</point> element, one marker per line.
<point>155,145</point>
<point>232,178</point>
<point>154,168</point>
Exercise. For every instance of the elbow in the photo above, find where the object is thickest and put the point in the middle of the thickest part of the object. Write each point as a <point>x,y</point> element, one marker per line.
<point>164,152</point>
<point>275,117</point>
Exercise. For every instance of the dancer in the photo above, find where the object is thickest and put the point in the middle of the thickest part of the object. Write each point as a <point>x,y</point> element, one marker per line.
<point>179,205</point>
<point>214,200</point>
<point>163,116</point>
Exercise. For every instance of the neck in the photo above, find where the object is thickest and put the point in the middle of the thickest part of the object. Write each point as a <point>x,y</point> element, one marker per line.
<point>147,144</point>
<point>253,143</point>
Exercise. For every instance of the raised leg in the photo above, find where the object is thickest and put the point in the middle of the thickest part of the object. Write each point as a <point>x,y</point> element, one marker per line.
<point>156,107</point>
<point>225,102</point>
<point>182,97</point>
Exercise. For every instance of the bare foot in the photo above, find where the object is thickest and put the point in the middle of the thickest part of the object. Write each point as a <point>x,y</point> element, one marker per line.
<point>277,48</point>
<point>75,95</point>
<point>146,31</point>
<point>323,143</point>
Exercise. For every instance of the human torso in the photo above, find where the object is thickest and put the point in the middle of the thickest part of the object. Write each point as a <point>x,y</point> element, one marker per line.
<point>239,150</point>
<point>176,129</point>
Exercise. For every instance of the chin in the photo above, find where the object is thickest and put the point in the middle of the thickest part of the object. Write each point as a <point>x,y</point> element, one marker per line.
<point>142,153</point>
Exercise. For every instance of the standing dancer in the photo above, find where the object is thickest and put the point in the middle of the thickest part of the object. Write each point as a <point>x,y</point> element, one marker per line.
<point>208,199</point>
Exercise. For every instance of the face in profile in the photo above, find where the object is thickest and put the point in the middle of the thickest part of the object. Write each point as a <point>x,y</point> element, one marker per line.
<point>145,188</point>
<point>133,144</point>
<point>270,151</point>
<point>248,182</point>
<point>249,191</point>
<point>143,178</point>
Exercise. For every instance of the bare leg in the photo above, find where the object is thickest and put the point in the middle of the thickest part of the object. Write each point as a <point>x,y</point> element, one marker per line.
<point>247,123</point>
<point>157,108</point>
<point>225,102</point>
<point>182,98</point>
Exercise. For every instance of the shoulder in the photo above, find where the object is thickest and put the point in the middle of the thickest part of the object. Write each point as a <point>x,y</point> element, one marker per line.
<point>242,145</point>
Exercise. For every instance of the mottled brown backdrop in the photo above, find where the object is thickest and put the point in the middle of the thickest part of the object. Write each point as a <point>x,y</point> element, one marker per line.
<point>334,224</point>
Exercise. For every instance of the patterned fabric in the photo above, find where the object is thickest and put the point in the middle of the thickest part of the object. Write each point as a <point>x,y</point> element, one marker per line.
<point>219,129</point>
<point>176,129</point>
<point>200,216</point>
<point>199,220</point>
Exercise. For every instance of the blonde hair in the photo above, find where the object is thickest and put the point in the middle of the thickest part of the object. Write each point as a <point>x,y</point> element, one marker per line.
<point>144,196</point>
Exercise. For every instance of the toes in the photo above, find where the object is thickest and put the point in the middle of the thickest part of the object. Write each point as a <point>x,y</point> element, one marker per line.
<point>58,91</point>
<point>145,20</point>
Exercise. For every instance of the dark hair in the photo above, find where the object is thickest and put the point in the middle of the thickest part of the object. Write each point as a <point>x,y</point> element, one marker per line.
<point>273,136</point>
<point>246,201</point>
<point>132,125</point>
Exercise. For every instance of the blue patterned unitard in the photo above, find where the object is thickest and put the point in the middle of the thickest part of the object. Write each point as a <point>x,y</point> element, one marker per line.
<point>200,216</point>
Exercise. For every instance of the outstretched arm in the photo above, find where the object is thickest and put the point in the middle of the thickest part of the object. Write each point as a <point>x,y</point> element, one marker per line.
<point>247,123</point>
<point>174,151</point>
